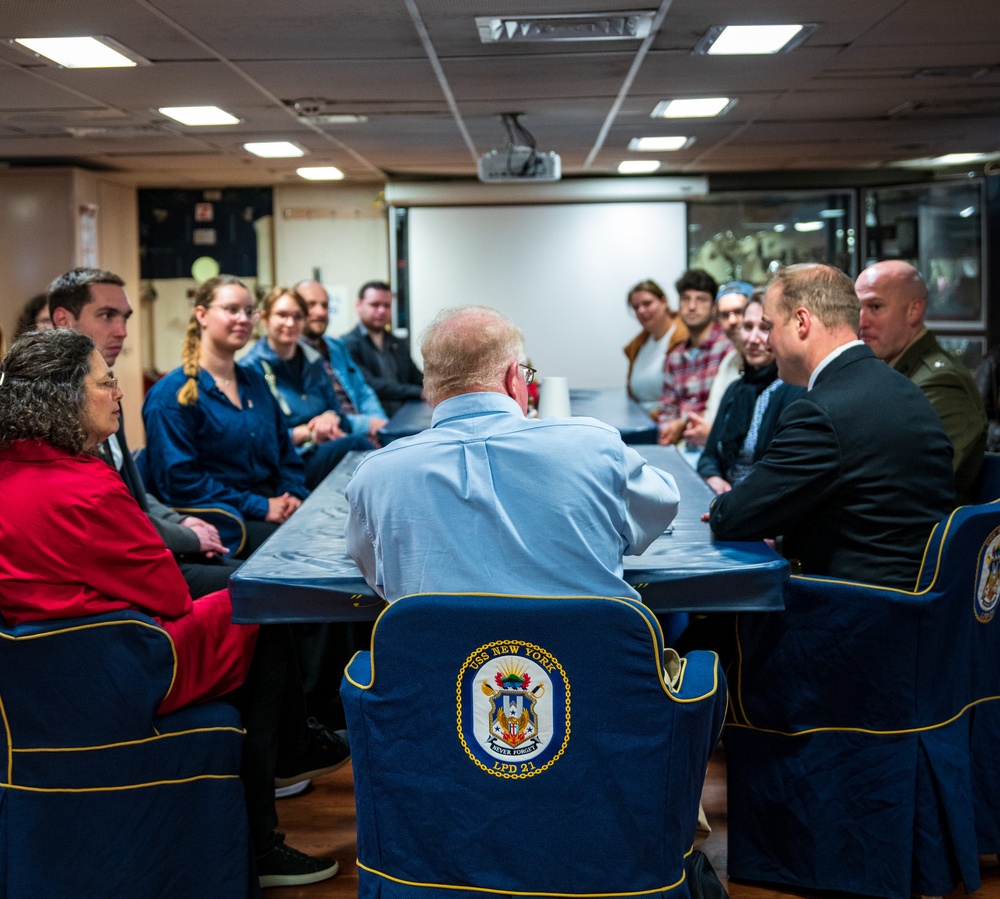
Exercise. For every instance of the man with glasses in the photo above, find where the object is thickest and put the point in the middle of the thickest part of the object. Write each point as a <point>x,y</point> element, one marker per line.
<point>691,366</point>
<point>94,302</point>
<point>488,500</point>
<point>730,304</point>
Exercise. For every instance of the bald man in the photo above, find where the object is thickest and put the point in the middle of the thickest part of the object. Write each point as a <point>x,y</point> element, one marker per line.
<point>893,303</point>
<point>488,500</point>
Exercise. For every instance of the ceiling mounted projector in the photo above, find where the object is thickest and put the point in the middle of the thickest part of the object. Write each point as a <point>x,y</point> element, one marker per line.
<point>519,161</point>
<point>519,164</point>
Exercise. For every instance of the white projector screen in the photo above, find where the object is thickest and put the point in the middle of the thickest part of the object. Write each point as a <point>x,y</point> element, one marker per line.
<point>561,273</point>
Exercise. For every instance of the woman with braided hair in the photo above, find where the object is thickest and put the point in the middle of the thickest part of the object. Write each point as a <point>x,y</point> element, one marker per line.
<point>214,434</point>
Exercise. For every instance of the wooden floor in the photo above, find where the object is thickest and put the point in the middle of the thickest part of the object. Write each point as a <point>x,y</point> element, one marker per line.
<point>321,822</point>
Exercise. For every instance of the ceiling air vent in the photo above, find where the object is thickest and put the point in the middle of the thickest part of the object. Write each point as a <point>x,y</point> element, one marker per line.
<point>121,131</point>
<point>617,26</point>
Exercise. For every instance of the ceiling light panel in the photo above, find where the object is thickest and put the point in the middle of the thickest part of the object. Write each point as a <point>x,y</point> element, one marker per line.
<point>320,173</point>
<point>565,27</point>
<point>198,116</point>
<point>638,167</point>
<point>278,149</point>
<point>659,144</point>
<point>97,52</point>
<point>694,108</point>
<point>743,40</point>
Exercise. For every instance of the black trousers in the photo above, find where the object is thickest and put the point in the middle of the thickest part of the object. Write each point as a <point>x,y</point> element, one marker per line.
<point>272,707</point>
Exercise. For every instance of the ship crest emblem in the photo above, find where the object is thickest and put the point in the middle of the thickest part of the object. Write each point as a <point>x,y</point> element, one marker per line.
<point>513,717</point>
<point>988,580</point>
<point>513,710</point>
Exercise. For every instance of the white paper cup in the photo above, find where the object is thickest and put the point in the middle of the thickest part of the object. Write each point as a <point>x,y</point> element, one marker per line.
<point>553,398</point>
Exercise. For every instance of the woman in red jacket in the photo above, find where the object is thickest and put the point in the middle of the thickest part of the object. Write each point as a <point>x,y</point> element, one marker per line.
<point>74,541</point>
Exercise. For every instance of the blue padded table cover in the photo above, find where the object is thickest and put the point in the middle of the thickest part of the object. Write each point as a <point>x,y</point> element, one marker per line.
<point>302,573</point>
<point>612,405</point>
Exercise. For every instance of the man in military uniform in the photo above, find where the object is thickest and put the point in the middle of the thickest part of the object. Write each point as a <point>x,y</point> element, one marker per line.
<point>893,302</point>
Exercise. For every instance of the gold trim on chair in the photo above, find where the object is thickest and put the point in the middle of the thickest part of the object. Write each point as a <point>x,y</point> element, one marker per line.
<point>196,510</point>
<point>493,892</point>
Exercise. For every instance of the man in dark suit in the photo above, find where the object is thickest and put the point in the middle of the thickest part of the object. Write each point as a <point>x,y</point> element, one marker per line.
<point>859,470</point>
<point>383,358</point>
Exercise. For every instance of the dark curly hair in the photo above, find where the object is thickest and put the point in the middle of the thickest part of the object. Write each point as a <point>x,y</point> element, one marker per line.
<point>43,390</point>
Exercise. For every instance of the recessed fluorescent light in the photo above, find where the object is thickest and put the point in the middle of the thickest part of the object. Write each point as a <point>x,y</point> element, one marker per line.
<point>780,228</point>
<point>832,213</point>
<point>808,226</point>
<point>98,52</point>
<point>638,166</point>
<point>320,173</point>
<point>565,27</point>
<point>702,108</point>
<point>968,212</point>
<point>198,115</point>
<point>741,40</point>
<point>656,144</point>
<point>277,149</point>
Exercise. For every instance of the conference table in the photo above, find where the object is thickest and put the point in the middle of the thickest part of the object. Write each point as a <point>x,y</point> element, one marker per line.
<point>611,405</point>
<point>302,572</point>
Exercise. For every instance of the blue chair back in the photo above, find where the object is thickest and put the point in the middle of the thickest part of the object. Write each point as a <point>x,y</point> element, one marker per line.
<point>526,745</point>
<point>849,748</point>
<point>988,483</point>
<point>99,796</point>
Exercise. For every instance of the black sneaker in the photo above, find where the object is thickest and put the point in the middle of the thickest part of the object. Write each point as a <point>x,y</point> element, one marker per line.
<point>283,866</point>
<point>328,750</point>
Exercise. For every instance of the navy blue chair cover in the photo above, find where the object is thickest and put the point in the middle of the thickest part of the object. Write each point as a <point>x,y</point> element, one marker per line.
<point>852,748</point>
<point>526,745</point>
<point>988,483</point>
<point>100,797</point>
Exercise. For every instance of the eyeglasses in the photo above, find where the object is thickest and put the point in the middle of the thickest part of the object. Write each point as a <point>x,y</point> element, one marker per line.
<point>235,311</point>
<point>529,373</point>
<point>289,316</point>
<point>110,383</point>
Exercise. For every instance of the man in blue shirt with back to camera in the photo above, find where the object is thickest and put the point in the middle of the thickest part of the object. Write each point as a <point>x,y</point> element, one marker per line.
<point>489,501</point>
